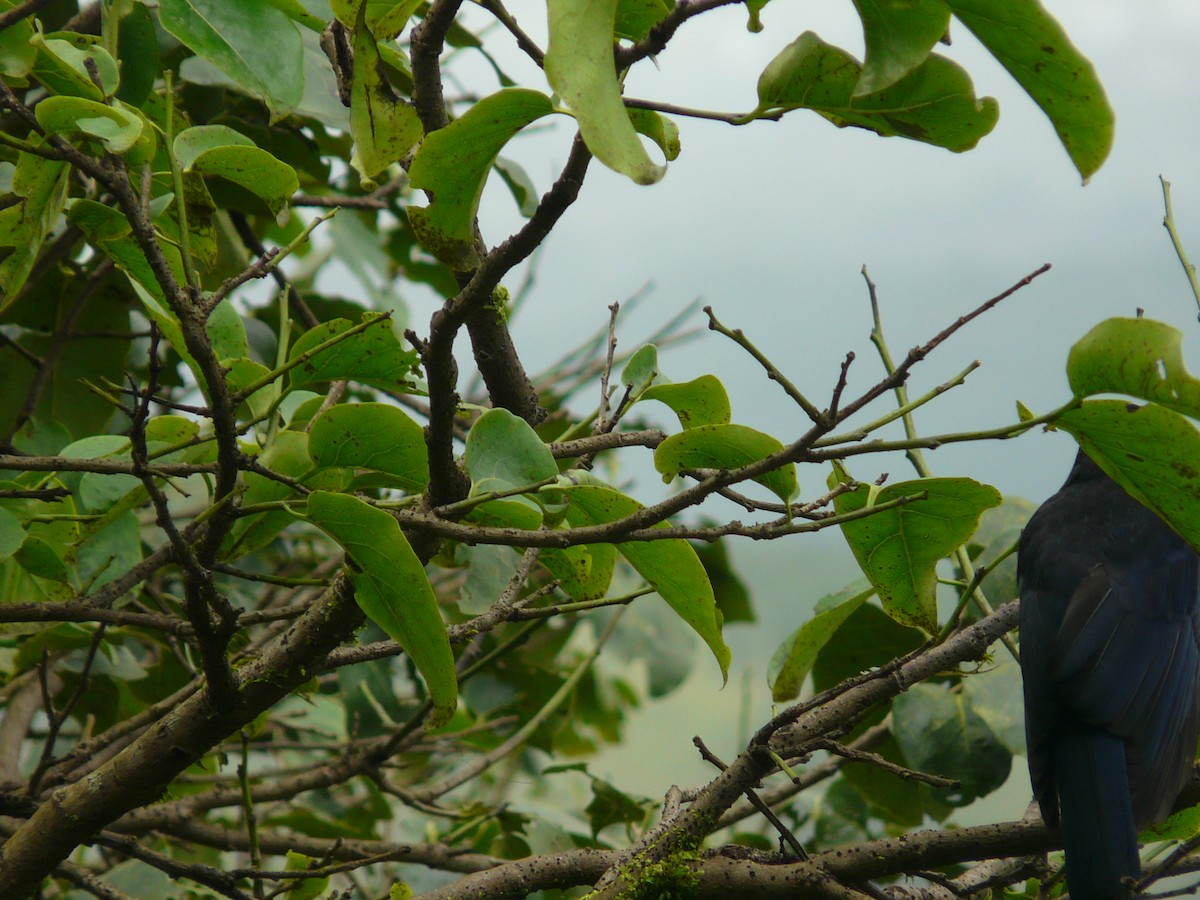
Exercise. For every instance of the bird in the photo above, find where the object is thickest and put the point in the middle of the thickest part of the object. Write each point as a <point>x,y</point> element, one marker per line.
<point>1110,652</point>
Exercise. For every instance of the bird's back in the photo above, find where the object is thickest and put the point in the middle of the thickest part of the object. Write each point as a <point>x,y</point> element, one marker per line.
<point>1110,653</point>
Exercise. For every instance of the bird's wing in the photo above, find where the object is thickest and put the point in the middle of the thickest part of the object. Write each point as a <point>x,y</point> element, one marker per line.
<point>1127,658</point>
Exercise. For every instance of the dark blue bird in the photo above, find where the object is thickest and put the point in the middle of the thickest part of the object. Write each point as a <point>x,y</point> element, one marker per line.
<point>1110,632</point>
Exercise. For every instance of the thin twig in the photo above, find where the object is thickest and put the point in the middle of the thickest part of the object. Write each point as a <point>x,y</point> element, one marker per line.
<point>1169,223</point>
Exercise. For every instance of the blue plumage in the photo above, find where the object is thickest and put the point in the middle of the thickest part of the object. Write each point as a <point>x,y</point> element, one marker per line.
<point>1110,654</point>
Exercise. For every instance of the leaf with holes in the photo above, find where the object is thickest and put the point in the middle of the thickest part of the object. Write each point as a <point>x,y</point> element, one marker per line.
<point>1150,450</point>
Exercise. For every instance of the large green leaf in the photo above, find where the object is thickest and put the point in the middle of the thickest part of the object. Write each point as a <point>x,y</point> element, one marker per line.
<point>392,589</point>
<point>934,103</point>
<point>115,127</point>
<point>17,54</point>
<point>372,436</point>
<point>12,534</point>
<point>898,549</point>
<point>219,150</point>
<point>725,447</point>
<point>503,453</point>
<point>372,356</point>
<point>942,734</point>
<point>138,70</point>
<point>899,36</point>
<point>63,68</point>
<point>1139,357</point>
<point>453,164</point>
<point>384,127</point>
<point>1035,50</point>
<point>39,189</point>
<point>1150,450</point>
<point>795,657</point>
<point>255,44</point>
<point>671,567</point>
<point>579,66</point>
<point>701,401</point>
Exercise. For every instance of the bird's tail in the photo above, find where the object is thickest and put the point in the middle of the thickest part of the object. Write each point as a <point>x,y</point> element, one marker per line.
<point>1097,816</point>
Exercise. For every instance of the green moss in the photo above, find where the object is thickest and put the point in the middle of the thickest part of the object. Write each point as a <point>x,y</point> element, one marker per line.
<point>499,302</point>
<point>673,878</point>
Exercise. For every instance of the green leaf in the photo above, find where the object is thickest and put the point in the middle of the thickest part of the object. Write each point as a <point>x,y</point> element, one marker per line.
<point>1151,451</point>
<point>241,373</point>
<point>898,549</point>
<point>659,129</point>
<point>942,734</point>
<point>489,569</point>
<point>795,657</point>
<point>733,597</point>
<point>39,558</point>
<point>899,36</point>
<point>579,66</point>
<point>384,127</point>
<point>130,259</point>
<point>138,69</point>
<point>287,455</point>
<point>255,44</point>
<point>392,589</point>
<point>635,18</point>
<point>227,331</point>
<point>308,888</point>
<point>17,54</point>
<point>991,692</point>
<point>1181,826</point>
<point>935,103</point>
<point>503,452</point>
<point>609,806</point>
<point>1035,50</point>
<point>117,128</point>
<point>453,164</point>
<point>701,401</point>
<point>219,150</point>
<point>39,189</point>
<point>371,436</point>
<point>12,535</point>
<point>725,447</point>
<point>671,567</point>
<point>998,530</point>
<point>583,572</point>
<point>63,68</point>
<point>384,18</point>
<point>519,183</point>
<point>373,356</point>
<point>100,492</point>
<point>641,370</point>
<point>1139,357</point>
